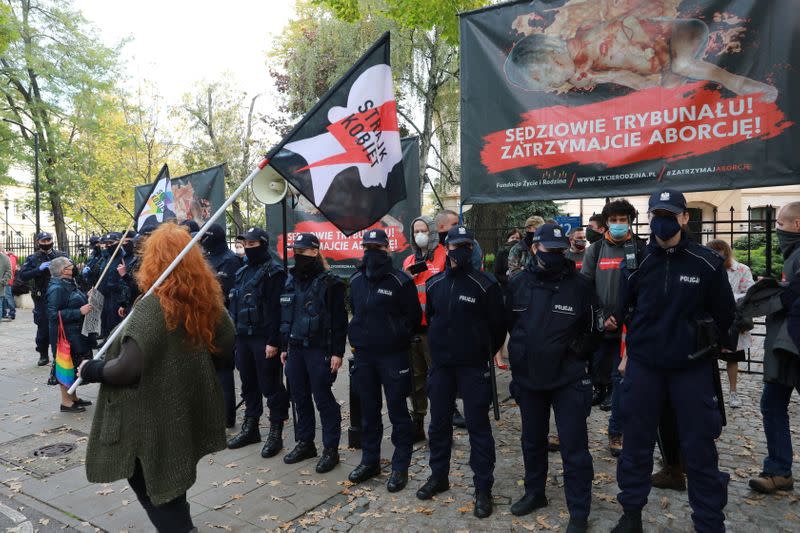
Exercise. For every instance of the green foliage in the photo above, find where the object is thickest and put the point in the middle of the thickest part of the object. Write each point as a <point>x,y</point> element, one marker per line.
<point>757,260</point>
<point>519,212</point>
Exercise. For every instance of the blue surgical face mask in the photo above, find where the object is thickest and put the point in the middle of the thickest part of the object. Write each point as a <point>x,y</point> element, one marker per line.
<point>618,231</point>
<point>665,227</point>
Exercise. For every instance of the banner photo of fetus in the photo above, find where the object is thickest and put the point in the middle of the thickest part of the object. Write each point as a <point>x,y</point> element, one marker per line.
<point>589,98</point>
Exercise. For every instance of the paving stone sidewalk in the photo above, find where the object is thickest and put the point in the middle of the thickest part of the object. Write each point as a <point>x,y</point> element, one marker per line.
<point>41,468</point>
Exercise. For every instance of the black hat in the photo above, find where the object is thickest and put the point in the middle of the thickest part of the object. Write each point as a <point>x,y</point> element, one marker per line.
<point>94,239</point>
<point>459,234</point>
<point>306,240</point>
<point>254,234</point>
<point>551,236</point>
<point>215,232</point>
<point>130,234</point>
<point>43,235</point>
<point>375,236</point>
<point>668,200</point>
<point>191,225</point>
<point>113,236</point>
<point>148,228</point>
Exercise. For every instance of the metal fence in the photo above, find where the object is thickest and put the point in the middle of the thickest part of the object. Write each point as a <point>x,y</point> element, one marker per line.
<point>751,234</point>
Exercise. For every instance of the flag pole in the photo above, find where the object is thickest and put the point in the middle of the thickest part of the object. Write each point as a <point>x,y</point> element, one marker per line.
<point>111,259</point>
<point>199,235</point>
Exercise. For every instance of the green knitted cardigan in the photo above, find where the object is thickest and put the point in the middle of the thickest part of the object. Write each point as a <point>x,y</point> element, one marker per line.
<point>171,419</point>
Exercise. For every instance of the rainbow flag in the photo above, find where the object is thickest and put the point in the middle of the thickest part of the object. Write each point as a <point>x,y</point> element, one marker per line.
<point>65,370</point>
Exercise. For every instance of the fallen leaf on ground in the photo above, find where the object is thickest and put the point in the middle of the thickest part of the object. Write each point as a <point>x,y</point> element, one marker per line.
<point>664,502</point>
<point>233,481</point>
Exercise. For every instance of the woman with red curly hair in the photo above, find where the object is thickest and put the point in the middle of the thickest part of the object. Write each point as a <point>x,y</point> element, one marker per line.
<point>160,407</point>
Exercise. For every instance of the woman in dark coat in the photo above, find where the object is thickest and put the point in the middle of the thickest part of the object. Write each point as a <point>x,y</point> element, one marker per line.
<point>65,299</point>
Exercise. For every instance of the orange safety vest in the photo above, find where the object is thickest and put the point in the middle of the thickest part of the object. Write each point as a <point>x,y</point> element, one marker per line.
<point>435,265</point>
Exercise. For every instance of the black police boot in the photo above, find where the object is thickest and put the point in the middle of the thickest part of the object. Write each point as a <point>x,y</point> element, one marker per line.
<point>578,525</point>
<point>419,431</point>
<point>274,442</point>
<point>631,522</point>
<point>528,503</point>
<point>364,472</point>
<point>605,405</point>
<point>397,481</point>
<point>598,394</point>
<point>483,504</point>
<point>329,459</point>
<point>458,419</point>
<point>301,452</point>
<point>44,359</point>
<point>432,487</point>
<point>249,434</point>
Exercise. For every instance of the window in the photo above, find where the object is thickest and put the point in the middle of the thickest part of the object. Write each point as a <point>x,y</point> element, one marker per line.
<point>758,216</point>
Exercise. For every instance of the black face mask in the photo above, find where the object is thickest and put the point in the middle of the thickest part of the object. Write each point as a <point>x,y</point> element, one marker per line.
<point>128,249</point>
<point>551,261</point>
<point>46,247</point>
<point>375,262</point>
<point>592,235</point>
<point>528,240</point>
<point>787,240</point>
<point>305,266</point>
<point>462,257</point>
<point>257,254</point>
<point>442,237</point>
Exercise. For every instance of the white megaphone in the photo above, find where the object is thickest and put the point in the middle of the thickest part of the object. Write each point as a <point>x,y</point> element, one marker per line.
<point>269,187</point>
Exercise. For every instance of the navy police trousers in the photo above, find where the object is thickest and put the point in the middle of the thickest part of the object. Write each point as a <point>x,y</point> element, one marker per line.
<point>571,405</point>
<point>308,371</point>
<point>393,372</point>
<point>690,391</point>
<point>473,382</point>
<point>261,376</point>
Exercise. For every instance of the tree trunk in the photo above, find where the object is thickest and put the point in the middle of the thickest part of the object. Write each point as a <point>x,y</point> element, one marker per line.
<point>488,223</point>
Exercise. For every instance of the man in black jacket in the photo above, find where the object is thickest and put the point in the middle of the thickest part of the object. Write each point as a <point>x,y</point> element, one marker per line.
<point>225,264</point>
<point>555,325</point>
<point>255,310</point>
<point>386,313</point>
<point>35,270</point>
<point>466,318</point>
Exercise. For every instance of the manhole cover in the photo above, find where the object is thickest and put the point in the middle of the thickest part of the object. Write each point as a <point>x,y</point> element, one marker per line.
<point>45,453</point>
<point>55,450</point>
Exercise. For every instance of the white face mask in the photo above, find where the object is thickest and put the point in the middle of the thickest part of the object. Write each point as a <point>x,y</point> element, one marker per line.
<point>421,239</point>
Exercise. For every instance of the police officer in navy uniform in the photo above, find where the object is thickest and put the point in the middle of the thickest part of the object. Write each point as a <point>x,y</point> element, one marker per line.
<point>254,305</point>
<point>111,286</point>
<point>36,270</point>
<point>554,322</point>
<point>386,313</point>
<point>314,328</point>
<point>678,300</point>
<point>91,271</point>
<point>225,264</point>
<point>466,327</point>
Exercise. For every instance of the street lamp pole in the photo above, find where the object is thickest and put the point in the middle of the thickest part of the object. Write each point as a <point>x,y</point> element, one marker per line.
<point>35,169</point>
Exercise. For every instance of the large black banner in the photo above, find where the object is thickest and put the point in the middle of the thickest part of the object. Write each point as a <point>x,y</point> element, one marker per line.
<point>196,196</point>
<point>591,98</point>
<point>343,252</point>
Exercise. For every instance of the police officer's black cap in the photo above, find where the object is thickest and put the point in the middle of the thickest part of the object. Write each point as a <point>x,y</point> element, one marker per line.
<point>215,231</point>
<point>305,241</point>
<point>254,234</point>
<point>113,236</point>
<point>668,200</point>
<point>375,236</point>
<point>458,235</point>
<point>43,235</point>
<point>130,234</point>
<point>148,228</point>
<point>551,236</point>
<point>94,239</point>
<point>191,225</point>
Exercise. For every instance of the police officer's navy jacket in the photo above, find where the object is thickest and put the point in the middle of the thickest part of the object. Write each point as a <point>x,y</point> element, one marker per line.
<point>313,314</point>
<point>667,294</point>
<point>225,264</point>
<point>386,311</point>
<point>466,317</point>
<point>553,322</point>
<point>41,278</point>
<point>255,304</point>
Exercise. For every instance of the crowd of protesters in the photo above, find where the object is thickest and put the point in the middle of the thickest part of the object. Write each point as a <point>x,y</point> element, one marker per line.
<point>599,316</point>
